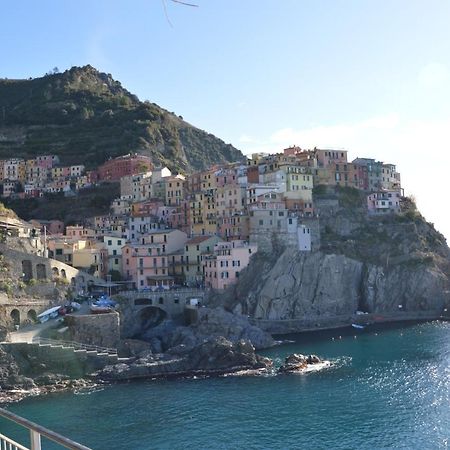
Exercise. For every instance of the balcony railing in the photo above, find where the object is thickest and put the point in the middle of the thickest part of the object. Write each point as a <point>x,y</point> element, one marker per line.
<point>36,432</point>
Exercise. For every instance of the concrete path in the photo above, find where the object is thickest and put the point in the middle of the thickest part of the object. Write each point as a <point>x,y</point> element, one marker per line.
<point>28,332</point>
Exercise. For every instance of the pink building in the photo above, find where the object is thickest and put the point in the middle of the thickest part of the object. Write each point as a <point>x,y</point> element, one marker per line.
<point>115,169</point>
<point>151,263</point>
<point>47,161</point>
<point>223,267</point>
<point>328,157</point>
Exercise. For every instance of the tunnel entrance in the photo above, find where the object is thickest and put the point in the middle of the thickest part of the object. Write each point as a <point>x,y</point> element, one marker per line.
<point>147,319</point>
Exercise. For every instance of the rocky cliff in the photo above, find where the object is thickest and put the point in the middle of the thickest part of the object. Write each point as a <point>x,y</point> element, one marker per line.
<point>395,265</point>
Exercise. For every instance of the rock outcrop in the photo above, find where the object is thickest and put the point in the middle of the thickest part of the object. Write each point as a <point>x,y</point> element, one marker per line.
<point>10,373</point>
<point>216,322</point>
<point>392,265</point>
<point>169,336</point>
<point>213,357</point>
<point>299,363</point>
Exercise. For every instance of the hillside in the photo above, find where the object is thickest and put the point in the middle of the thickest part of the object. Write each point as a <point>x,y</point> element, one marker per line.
<point>89,202</point>
<point>86,116</point>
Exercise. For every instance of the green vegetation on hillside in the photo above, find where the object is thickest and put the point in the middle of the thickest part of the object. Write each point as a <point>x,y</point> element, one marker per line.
<point>73,210</point>
<point>85,116</point>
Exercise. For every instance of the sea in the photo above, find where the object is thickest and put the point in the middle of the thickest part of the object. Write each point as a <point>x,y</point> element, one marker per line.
<point>388,387</point>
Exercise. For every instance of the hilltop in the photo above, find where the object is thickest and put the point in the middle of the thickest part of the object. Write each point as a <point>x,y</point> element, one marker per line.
<point>85,116</point>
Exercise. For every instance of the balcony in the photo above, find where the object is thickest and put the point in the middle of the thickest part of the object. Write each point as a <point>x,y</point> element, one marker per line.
<point>36,432</point>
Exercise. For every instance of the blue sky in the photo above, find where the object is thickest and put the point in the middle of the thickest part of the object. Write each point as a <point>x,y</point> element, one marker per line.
<point>367,75</point>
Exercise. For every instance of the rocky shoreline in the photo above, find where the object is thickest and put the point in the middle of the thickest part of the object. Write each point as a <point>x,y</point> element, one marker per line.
<point>205,357</point>
<point>17,395</point>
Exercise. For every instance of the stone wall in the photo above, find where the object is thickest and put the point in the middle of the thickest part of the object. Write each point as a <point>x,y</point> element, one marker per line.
<point>102,330</point>
<point>26,266</point>
<point>270,241</point>
<point>20,311</point>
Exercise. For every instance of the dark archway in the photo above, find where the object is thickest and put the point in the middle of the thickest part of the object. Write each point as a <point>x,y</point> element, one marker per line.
<point>55,272</point>
<point>32,315</point>
<point>27,270</point>
<point>63,273</point>
<point>41,272</point>
<point>15,316</point>
<point>150,317</point>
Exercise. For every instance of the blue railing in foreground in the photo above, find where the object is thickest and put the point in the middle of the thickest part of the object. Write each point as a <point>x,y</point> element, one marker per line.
<point>36,432</point>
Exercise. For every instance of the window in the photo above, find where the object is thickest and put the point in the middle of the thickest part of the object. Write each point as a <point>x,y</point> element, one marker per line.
<point>116,261</point>
<point>109,242</point>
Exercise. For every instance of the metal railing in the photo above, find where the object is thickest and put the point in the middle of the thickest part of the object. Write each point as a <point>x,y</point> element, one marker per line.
<point>36,432</point>
<point>75,345</point>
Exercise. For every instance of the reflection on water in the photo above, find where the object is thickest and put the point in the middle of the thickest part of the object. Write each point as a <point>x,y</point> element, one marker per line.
<point>388,387</point>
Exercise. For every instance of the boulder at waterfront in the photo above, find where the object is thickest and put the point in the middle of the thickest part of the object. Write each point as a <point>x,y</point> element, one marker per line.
<point>215,356</point>
<point>300,363</point>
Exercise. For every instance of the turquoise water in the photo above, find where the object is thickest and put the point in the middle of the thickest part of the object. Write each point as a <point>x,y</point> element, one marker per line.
<point>389,388</point>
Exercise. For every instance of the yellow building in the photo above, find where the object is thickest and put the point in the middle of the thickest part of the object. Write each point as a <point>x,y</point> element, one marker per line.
<point>299,183</point>
<point>174,190</point>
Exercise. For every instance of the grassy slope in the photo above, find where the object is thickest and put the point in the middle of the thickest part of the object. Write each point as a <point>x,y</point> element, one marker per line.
<point>85,116</point>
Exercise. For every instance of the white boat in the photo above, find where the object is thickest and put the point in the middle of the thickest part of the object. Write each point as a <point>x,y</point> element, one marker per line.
<point>359,327</point>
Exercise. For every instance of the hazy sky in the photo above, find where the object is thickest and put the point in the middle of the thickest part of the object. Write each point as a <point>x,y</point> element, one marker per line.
<point>368,75</point>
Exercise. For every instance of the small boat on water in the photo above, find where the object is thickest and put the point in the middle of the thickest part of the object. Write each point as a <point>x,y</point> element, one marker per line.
<point>358,327</point>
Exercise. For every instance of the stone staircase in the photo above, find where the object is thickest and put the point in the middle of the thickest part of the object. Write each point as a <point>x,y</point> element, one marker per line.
<point>63,357</point>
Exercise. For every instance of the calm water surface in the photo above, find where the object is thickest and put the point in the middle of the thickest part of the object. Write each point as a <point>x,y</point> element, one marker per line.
<point>388,388</point>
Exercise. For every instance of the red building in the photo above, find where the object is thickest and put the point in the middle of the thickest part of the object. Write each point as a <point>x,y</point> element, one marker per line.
<point>115,169</point>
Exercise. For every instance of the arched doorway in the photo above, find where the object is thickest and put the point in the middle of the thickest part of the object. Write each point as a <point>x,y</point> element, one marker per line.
<point>63,273</point>
<point>27,270</point>
<point>41,272</point>
<point>15,316</point>
<point>55,272</point>
<point>32,316</point>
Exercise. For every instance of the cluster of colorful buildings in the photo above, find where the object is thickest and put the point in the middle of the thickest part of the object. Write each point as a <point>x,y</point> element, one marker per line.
<point>24,178</point>
<point>168,229</point>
